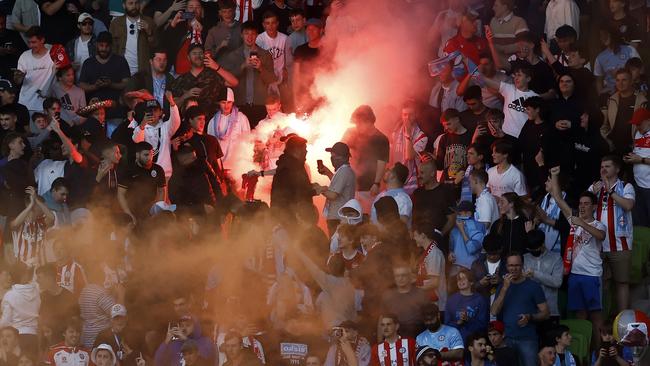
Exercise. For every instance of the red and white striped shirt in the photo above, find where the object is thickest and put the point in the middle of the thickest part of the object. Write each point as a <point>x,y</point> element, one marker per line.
<point>71,277</point>
<point>400,353</point>
<point>29,241</point>
<point>62,355</point>
<point>606,213</point>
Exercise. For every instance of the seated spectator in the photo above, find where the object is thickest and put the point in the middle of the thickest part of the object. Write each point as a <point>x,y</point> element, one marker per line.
<point>610,349</point>
<point>439,336</point>
<point>388,338</point>
<point>521,303</point>
<point>467,310</point>
<point>103,355</point>
<point>561,334</point>
<point>503,354</point>
<point>427,356</point>
<point>235,352</point>
<point>545,267</point>
<point>477,347</point>
<point>11,351</point>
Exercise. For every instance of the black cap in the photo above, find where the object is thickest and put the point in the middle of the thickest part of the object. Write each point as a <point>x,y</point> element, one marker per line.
<point>339,148</point>
<point>105,37</point>
<point>6,85</point>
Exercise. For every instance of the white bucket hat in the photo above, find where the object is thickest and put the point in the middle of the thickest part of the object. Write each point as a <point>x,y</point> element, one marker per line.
<point>103,346</point>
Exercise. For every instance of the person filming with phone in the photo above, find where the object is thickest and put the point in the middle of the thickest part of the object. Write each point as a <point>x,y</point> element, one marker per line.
<point>348,347</point>
<point>342,184</point>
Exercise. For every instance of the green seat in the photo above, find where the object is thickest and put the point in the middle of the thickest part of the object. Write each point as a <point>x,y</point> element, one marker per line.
<point>581,331</point>
<point>640,253</point>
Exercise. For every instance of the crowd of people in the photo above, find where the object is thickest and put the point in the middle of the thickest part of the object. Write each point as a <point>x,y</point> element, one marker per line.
<point>501,200</point>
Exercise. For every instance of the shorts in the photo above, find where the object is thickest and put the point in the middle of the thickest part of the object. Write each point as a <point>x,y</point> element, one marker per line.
<point>617,265</point>
<point>585,293</point>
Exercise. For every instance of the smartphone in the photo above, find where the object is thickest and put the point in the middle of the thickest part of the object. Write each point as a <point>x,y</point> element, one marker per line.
<point>337,332</point>
<point>188,15</point>
<point>320,164</point>
<point>253,54</point>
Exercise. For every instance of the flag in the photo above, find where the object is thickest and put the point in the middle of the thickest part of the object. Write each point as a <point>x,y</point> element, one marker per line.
<point>436,66</point>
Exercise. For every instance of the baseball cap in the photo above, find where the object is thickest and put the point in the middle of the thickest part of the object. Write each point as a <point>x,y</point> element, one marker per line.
<point>226,94</point>
<point>6,85</point>
<point>84,16</point>
<point>423,350</point>
<point>118,310</point>
<point>640,115</point>
<point>464,206</point>
<point>339,148</point>
<point>105,37</point>
<point>314,21</point>
<point>497,325</point>
<point>103,346</point>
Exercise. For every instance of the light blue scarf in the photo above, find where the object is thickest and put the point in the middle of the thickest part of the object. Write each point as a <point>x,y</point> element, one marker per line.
<point>552,236</point>
<point>213,125</point>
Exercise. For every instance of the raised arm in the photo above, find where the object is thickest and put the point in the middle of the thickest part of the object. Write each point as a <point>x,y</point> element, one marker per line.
<point>74,153</point>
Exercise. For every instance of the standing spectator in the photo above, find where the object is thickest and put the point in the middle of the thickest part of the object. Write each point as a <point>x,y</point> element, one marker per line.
<point>154,79</point>
<point>544,267</point>
<point>276,44</point>
<point>20,307</point>
<point>640,159</point>
<point>451,146</point>
<point>13,47</point>
<point>514,97</point>
<point>132,36</point>
<point>349,343</point>
<point>467,40</point>
<point>490,97</point>
<point>487,209</point>
<point>281,10</point>
<point>71,97</point>
<point>503,354</point>
<point>253,66</point>
<point>385,352</point>
<point>561,334</point>
<point>58,19</point>
<point>105,75</point>
<point>614,210</point>
<point>148,126</point>
<point>291,183</point>
<point>246,9</point>
<point>95,304</point>
<point>439,336</point>
<point>611,59</point>
<point>431,274</point>
<point>226,35</point>
<point>465,238</point>
<point>505,177</point>
<point>141,184</point>
<point>520,302</point>
<point>297,33</point>
<point>530,145</point>
<point>341,187</point>
<point>561,13</point>
<point>184,30</point>
<point>9,99</point>
<point>228,125</point>
<point>405,300</point>
<point>83,47</point>
<point>35,71</point>
<point>585,283</point>
<point>552,222</point>
<point>103,355</point>
<point>432,199</point>
<point>25,14</point>
<point>235,352</point>
<point>407,143</point>
<point>467,310</point>
<point>618,111</point>
<point>626,25</point>
<point>57,303</point>
<point>395,178</point>
<point>476,113</point>
<point>512,226</point>
<point>527,56</point>
<point>504,27</point>
<point>305,65</point>
<point>29,229</point>
<point>475,161</point>
<point>370,151</point>
<point>444,94</point>
<point>181,338</point>
<point>116,335</point>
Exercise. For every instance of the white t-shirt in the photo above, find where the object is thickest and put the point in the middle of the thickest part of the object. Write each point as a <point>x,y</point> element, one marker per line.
<point>46,172</point>
<point>39,73</point>
<point>404,204</point>
<point>513,108</point>
<point>131,51</point>
<point>642,148</point>
<point>512,180</point>
<point>487,209</point>
<point>435,266</point>
<point>586,251</point>
<point>277,47</point>
<point>81,51</point>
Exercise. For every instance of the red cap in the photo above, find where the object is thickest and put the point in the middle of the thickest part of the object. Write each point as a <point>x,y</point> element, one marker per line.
<point>497,325</point>
<point>640,115</point>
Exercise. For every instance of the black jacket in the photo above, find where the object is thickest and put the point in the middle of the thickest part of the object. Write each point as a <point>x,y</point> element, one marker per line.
<point>291,184</point>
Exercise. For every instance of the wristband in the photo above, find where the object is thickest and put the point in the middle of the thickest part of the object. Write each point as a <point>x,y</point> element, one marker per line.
<point>261,173</point>
<point>218,68</point>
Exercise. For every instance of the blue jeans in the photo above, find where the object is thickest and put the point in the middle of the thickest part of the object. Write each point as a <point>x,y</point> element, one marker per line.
<point>526,350</point>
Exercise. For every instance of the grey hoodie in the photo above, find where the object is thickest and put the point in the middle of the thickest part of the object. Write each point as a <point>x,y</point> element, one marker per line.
<point>547,271</point>
<point>20,307</point>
